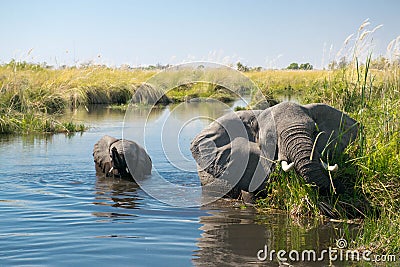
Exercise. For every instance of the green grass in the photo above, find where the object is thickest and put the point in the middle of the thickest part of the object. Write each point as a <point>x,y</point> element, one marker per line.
<point>287,192</point>
<point>370,167</point>
<point>32,97</point>
<point>25,123</point>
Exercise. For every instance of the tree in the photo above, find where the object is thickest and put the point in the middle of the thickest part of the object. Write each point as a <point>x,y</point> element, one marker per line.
<point>241,67</point>
<point>293,66</point>
<point>306,66</point>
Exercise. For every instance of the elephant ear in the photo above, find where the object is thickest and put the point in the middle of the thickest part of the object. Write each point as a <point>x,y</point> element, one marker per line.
<point>339,130</point>
<point>221,132</point>
<point>137,159</point>
<point>101,151</point>
<point>267,140</point>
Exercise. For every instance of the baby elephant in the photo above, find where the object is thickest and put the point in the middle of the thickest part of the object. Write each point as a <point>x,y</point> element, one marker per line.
<point>113,156</point>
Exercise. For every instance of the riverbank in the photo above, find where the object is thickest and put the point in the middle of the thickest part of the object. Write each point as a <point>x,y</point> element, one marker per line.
<point>33,96</point>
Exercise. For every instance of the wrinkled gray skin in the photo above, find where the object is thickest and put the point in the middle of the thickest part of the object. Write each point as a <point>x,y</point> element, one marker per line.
<point>297,128</point>
<point>227,154</point>
<point>293,129</point>
<point>112,157</point>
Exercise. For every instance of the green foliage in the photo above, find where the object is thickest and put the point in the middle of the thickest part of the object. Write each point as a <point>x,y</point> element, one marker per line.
<point>303,66</point>
<point>306,66</point>
<point>342,64</point>
<point>16,65</point>
<point>244,68</point>
<point>380,63</point>
<point>241,67</point>
<point>238,108</point>
<point>380,234</point>
<point>293,66</point>
<point>71,127</point>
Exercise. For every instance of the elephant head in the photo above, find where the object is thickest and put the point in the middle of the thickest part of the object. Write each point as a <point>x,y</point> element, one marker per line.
<point>121,157</point>
<point>227,154</point>
<point>239,150</point>
<point>303,134</point>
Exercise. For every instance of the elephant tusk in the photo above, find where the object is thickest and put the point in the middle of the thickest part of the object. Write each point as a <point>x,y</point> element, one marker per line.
<point>333,168</point>
<point>112,168</point>
<point>285,166</point>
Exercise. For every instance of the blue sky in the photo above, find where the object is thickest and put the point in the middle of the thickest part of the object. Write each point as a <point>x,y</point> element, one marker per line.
<point>270,34</point>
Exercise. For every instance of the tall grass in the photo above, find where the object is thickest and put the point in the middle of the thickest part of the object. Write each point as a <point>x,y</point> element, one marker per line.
<point>370,167</point>
<point>35,91</point>
<point>32,96</point>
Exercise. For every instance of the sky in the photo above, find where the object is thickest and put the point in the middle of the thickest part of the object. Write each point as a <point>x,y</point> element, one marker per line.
<point>270,34</point>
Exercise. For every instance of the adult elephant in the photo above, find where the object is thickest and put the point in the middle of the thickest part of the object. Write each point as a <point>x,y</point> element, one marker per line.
<point>227,155</point>
<point>238,151</point>
<point>112,157</point>
<point>306,136</point>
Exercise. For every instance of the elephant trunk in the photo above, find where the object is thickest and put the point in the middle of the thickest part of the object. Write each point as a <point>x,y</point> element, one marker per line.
<point>298,142</point>
<point>118,162</point>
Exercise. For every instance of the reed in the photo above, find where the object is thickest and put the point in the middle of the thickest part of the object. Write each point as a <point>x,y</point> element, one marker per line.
<point>370,167</point>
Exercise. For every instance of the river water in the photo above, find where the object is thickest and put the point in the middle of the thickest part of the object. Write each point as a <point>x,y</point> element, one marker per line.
<point>55,210</point>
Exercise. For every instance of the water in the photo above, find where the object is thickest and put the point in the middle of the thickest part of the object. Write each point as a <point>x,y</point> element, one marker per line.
<point>55,209</point>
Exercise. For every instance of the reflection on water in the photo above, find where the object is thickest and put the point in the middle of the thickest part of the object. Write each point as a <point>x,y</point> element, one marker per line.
<point>54,209</point>
<point>186,111</point>
<point>118,193</point>
<point>230,236</point>
<point>235,236</point>
<point>289,97</point>
<point>101,114</point>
